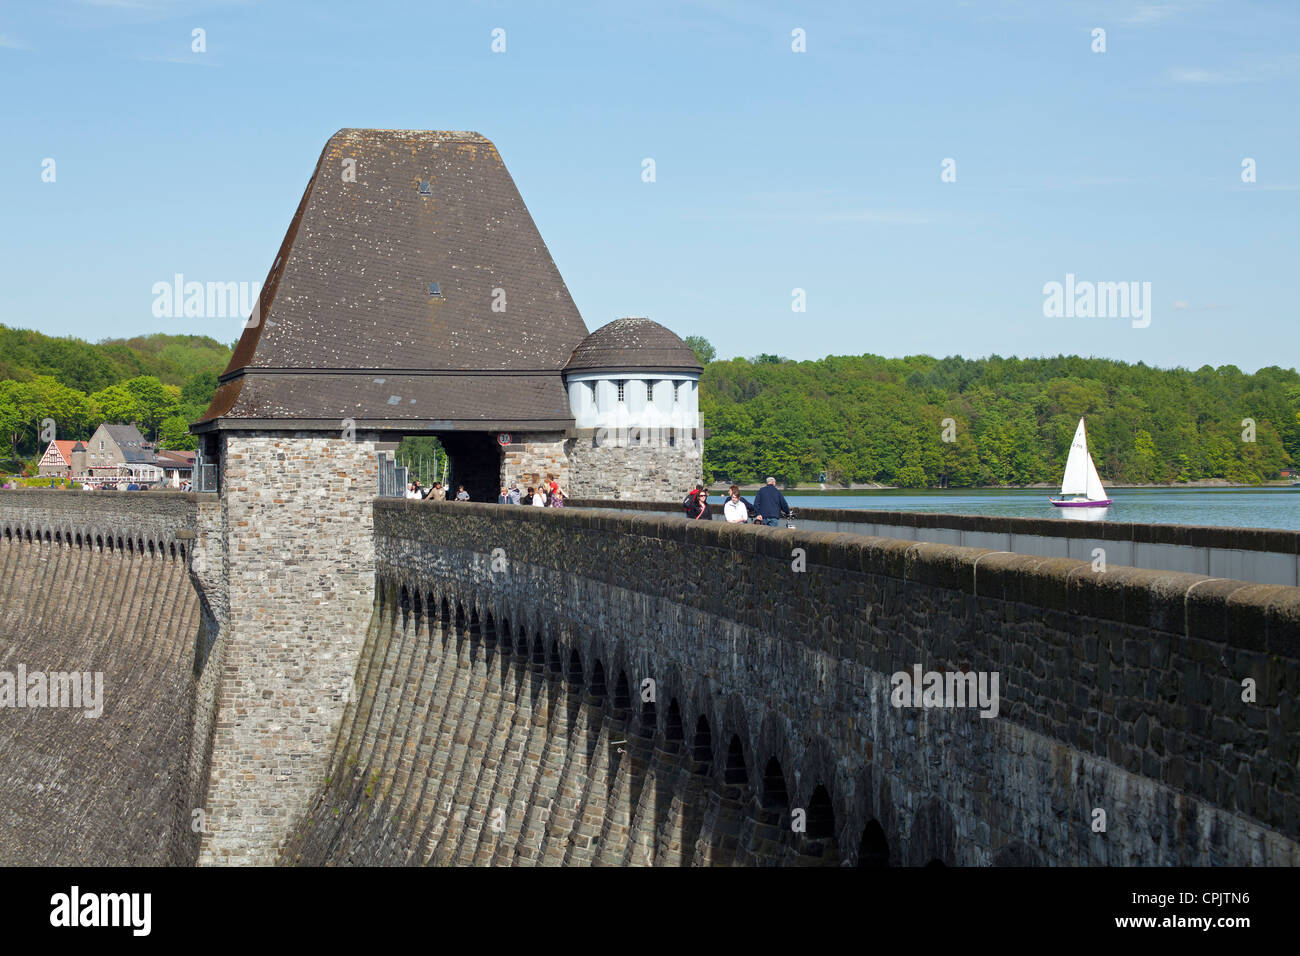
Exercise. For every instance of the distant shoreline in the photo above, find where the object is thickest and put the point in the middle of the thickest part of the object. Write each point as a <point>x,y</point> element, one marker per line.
<point>829,489</point>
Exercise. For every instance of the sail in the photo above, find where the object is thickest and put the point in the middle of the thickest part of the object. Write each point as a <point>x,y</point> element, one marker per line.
<point>1095,490</point>
<point>1078,465</point>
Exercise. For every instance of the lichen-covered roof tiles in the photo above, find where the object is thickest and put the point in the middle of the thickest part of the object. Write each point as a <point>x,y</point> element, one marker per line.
<point>633,344</point>
<point>348,300</point>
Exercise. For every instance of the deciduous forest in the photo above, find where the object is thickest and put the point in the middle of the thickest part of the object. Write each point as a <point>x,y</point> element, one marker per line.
<point>161,382</point>
<point>861,419</point>
<point>913,422</point>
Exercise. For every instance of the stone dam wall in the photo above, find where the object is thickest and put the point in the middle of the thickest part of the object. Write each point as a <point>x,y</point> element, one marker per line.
<point>99,583</point>
<point>503,712</point>
<point>582,686</point>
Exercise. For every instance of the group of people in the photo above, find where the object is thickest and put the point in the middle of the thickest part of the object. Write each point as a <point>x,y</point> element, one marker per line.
<point>436,493</point>
<point>545,495</point>
<point>768,508</point>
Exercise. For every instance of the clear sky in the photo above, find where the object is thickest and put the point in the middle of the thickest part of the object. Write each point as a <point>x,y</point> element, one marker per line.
<point>774,170</point>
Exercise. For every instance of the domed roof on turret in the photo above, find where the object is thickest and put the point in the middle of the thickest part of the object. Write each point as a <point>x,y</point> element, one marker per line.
<point>633,344</point>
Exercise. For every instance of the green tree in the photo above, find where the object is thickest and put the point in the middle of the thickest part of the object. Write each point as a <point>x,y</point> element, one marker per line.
<point>199,389</point>
<point>867,418</point>
<point>174,433</point>
<point>115,404</point>
<point>424,455</point>
<point>703,349</point>
<point>155,401</point>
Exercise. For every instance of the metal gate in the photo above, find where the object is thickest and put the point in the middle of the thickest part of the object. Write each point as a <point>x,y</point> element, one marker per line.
<point>393,478</point>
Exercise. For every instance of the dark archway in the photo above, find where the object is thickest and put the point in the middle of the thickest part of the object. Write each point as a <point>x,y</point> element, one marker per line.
<point>735,772</point>
<point>874,848</point>
<point>775,796</point>
<point>475,463</point>
<point>622,698</point>
<point>821,815</point>
<point>574,675</point>
<point>649,722</point>
<point>702,746</point>
<point>673,732</point>
<point>1017,853</point>
<point>934,837</point>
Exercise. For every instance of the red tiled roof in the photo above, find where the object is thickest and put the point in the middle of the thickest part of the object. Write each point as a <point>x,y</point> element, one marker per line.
<point>63,447</point>
<point>170,457</point>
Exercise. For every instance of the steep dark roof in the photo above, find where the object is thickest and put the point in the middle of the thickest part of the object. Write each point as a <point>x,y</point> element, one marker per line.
<point>130,442</point>
<point>633,343</point>
<point>348,328</point>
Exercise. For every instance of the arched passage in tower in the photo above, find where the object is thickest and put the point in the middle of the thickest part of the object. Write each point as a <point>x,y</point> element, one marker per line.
<point>475,459</point>
<point>469,458</point>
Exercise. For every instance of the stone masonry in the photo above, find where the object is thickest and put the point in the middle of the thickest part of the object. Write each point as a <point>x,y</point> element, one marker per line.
<point>533,456</point>
<point>297,558</point>
<point>99,583</point>
<point>651,472</point>
<point>368,681</point>
<point>1119,691</point>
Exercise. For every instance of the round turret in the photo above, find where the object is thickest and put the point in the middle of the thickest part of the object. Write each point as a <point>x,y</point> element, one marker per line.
<point>634,374</point>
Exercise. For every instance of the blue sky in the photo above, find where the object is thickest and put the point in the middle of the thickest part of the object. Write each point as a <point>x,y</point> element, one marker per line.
<point>775,170</point>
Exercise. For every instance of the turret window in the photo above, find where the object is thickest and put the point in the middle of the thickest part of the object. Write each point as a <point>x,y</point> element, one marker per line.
<point>622,385</point>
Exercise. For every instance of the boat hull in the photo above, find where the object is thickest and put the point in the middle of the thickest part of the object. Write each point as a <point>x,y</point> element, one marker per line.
<point>1105,502</point>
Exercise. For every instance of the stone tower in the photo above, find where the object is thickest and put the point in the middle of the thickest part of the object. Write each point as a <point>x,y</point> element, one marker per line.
<point>412,294</point>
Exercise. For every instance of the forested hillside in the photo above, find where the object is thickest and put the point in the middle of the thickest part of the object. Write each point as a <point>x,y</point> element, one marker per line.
<point>857,419</point>
<point>162,382</point>
<point>866,418</point>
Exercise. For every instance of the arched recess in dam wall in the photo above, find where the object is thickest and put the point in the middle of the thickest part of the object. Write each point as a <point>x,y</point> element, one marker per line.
<point>98,583</point>
<point>506,656</point>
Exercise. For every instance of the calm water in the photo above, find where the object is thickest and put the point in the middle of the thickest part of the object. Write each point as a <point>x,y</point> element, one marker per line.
<point>1224,507</point>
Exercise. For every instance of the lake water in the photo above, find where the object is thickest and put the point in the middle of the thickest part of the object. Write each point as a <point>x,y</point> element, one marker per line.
<point>1222,507</point>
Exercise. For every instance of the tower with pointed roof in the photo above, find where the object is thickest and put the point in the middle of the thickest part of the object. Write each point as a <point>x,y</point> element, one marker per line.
<point>412,295</point>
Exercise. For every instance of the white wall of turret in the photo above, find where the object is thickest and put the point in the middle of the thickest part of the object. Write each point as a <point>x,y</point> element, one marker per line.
<point>634,400</point>
<point>638,434</point>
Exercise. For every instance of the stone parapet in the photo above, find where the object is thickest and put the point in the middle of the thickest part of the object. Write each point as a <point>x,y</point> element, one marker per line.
<point>1120,690</point>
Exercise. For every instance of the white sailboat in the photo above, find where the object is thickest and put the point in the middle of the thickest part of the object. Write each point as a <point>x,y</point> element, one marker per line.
<point>1081,487</point>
